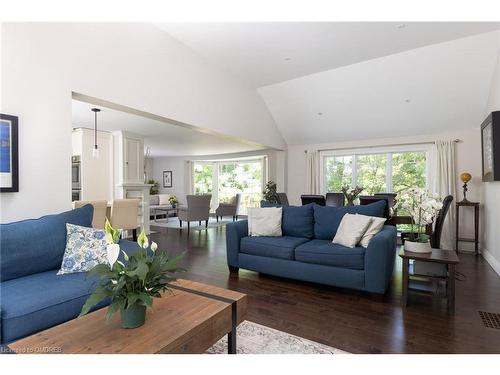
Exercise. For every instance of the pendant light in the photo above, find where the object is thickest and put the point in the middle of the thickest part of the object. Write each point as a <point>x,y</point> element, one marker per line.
<point>95,150</point>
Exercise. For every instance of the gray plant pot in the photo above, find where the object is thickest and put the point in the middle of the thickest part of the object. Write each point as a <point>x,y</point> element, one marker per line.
<point>134,316</point>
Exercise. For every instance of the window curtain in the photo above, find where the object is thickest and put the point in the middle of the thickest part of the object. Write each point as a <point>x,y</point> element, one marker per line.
<point>312,171</point>
<point>189,177</point>
<point>443,183</point>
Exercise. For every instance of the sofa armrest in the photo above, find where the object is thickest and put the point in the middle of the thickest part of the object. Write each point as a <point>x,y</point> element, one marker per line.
<point>379,260</point>
<point>234,233</point>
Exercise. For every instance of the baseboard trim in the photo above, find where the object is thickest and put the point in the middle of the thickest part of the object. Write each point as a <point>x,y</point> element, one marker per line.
<point>495,264</point>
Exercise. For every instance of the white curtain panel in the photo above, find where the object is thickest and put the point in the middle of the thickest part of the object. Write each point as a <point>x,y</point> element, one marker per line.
<point>190,177</point>
<point>312,170</point>
<point>443,182</point>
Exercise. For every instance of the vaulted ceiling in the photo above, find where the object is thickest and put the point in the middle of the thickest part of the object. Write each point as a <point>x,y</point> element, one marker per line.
<point>327,82</point>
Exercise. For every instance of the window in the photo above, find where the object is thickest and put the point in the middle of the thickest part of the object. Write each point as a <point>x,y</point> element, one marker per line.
<point>224,179</point>
<point>384,170</point>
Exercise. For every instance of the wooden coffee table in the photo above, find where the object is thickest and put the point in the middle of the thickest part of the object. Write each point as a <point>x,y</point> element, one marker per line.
<point>190,319</point>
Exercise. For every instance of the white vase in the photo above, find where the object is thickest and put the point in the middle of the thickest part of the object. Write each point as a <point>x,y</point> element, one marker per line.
<point>418,247</point>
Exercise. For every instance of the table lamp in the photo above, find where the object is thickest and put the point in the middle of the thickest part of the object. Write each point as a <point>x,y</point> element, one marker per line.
<point>465,177</point>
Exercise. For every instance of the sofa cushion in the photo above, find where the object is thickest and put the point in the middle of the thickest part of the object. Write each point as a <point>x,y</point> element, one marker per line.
<point>273,247</point>
<point>298,221</point>
<point>37,245</point>
<point>330,254</point>
<point>36,302</point>
<point>327,219</point>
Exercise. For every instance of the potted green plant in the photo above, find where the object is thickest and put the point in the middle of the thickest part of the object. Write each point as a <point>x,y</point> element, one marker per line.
<point>131,285</point>
<point>269,193</point>
<point>153,190</point>
<point>173,201</point>
<point>351,194</point>
<point>422,206</point>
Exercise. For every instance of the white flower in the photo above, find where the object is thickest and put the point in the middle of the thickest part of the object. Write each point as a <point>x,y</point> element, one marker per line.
<point>113,251</point>
<point>114,282</point>
<point>109,238</point>
<point>154,246</point>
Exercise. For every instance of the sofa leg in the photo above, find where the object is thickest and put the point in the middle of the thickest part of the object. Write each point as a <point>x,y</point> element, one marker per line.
<point>189,227</point>
<point>134,234</point>
<point>233,269</point>
<point>236,217</point>
<point>217,218</point>
<point>206,224</point>
<point>180,223</point>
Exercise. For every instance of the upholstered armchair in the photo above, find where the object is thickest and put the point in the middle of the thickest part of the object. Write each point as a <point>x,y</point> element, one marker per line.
<point>198,209</point>
<point>229,209</point>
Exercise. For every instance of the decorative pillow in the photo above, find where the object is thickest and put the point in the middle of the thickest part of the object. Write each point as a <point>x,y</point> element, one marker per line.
<point>375,226</point>
<point>264,221</point>
<point>85,248</point>
<point>298,221</point>
<point>163,199</point>
<point>351,229</point>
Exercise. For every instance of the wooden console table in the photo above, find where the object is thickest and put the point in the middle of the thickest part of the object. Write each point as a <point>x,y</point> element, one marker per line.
<point>476,225</point>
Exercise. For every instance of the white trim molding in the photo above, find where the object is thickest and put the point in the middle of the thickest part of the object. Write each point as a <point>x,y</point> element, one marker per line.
<point>492,261</point>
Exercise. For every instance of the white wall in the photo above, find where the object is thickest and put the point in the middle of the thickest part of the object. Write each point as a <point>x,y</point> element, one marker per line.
<point>468,154</point>
<point>491,208</point>
<point>136,65</point>
<point>178,166</point>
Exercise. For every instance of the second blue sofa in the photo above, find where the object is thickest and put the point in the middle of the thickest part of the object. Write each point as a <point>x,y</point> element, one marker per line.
<point>305,250</point>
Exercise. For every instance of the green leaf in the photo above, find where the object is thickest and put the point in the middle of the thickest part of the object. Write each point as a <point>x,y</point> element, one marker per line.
<point>125,256</point>
<point>141,271</point>
<point>144,297</point>
<point>113,307</point>
<point>99,294</point>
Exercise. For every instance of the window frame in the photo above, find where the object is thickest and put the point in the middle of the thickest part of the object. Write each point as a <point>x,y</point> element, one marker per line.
<point>389,150</point>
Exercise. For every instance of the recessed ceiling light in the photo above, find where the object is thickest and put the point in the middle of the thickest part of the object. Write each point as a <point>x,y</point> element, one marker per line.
<point>320,113</point>
<point>287,58</point>
<point>401,25</point>
<point>408,100</point>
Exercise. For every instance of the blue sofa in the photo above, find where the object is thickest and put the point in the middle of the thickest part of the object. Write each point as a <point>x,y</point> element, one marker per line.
<point>305,250</point>
<point>32,296</point>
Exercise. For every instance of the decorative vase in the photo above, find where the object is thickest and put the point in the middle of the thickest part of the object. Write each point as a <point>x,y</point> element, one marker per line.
<point>134,316</point>
<point>417,247</point>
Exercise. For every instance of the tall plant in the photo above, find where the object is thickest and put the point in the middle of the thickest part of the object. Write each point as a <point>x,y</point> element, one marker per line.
<point>270,194</point>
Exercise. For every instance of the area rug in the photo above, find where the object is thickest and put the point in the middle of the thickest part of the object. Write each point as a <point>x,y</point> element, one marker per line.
<point>253,338</point>
<point>173,222</point>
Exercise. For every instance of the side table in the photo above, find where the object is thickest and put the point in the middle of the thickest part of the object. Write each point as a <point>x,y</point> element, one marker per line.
<point>447,257</point>
<point>465,203</point>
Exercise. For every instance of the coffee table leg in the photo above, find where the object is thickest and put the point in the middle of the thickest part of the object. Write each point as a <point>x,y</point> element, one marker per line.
<point>404,297</point>
<point>451,289</point>
<point>231,336</point>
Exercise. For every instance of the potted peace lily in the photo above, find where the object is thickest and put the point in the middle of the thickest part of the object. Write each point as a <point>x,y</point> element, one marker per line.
<point>351,194</point>
<point>173,201</point>
<point>422,207</point>
<point>131,286</point>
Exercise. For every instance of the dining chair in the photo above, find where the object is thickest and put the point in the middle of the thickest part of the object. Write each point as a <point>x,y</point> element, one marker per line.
<point>282,199</point>
<point>198,209</point>
<point>100,207</point>
<point>391,197</point>
<point>124,214</point>
<point>312,198</point>
<point>367,199</point>
<point>439,222</point>
<point>335,199</point>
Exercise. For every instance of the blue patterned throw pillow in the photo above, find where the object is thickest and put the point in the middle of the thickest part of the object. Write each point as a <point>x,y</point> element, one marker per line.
<point>85,248</point>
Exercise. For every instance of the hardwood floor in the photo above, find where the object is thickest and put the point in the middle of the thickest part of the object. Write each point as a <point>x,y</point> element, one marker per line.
<point>346,319</point>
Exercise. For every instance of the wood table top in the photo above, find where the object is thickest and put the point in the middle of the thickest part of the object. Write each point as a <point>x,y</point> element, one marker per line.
<point>436,256</point>
<point>179,322</point>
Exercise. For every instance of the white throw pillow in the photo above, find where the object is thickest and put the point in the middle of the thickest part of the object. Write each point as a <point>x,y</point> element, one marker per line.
<point>85,249</point>
<point>375,226</point>
<point>164,199</point>
<point>264,221</point>
<point>351,229</point>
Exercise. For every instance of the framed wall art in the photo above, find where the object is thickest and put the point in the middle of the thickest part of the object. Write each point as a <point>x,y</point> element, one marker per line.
<point>9,154</point>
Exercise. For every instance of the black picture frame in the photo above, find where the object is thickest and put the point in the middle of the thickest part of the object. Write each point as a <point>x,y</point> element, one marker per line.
<point>12,143</point>
<point>167,179</point>
<point>490,147</point>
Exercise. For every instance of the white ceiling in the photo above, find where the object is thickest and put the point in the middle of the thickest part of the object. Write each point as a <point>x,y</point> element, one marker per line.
<point>163,138</point>
<point>262,54</point>
<point>422,91</point>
